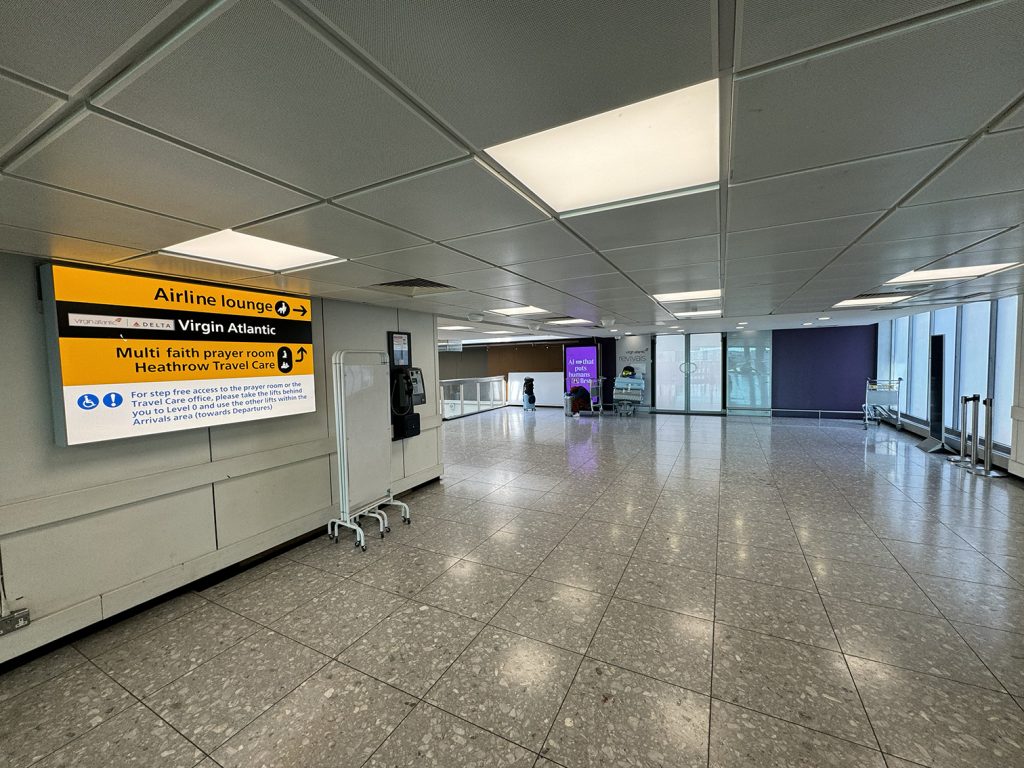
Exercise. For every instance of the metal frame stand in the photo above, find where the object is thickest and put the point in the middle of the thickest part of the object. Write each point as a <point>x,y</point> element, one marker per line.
<point>986,469</point>
<point>882,400</point>
<point>967,437</point>
<point>349,518</point>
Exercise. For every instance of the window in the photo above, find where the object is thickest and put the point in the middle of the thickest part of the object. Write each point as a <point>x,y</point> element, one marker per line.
<point>974,357</point>
<point>1006,353</point>
<point>749,368</point>
<point>944,324</point>
<point>884,364</point>
<point>900,355</point>
<point>917,389</point>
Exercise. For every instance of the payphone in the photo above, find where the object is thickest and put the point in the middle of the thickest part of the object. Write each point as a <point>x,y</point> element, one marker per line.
<point>407,387</point>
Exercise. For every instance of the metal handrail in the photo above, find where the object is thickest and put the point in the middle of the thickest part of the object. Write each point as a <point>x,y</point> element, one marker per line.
<point>486,383</point>
<point>472,379</point>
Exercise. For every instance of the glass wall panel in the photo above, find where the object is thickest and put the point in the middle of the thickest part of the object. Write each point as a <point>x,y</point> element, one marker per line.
<point>918,374</point>
<point>974,358</point>
<point>749,369</point>
<point>884,364</point>
<point>944,324</point>
<point>706,372</point>
<point>670,373</point>
<point>901,355</point>
<point>1006,352</point>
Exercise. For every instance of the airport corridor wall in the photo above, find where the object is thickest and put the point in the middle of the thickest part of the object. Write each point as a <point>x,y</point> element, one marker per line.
<point>89,531</point>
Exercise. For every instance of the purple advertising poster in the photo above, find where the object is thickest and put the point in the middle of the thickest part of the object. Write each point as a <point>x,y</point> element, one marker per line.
<point>580,367</point>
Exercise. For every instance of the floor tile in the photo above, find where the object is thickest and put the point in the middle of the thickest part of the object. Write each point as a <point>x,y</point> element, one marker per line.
<point>758,534</point>
<point>448,538</point>
<point>768,566</point>
<point>215,701</point>
<point>583,568</point>
<point>666,586</point>
<point>607,537</point>
<point>540,526</point>
<point>336,719</point>
<point>612,716</point>
<point>514,497</point>
<point>342,559</point>
<point>834,545</point>
<point>471,589</point>
<point>413,647</point>
<point>268,599</point>
<point>28,674</point>
<point>741,738</point>
<point>676,549</point>
<point>1002,652</point>
<point>994,541</point>
<point>331,622</point>
<point>507,684</point>
<point>52,714</point>
<point>247,576</point>
<point>973,603</point>
<point>553,613</point>
<point>405,570</point>
<point>151,661</point>
<point>138,624</point>
<point>940,722</point>
<point>136,737</point>
<point>512,552</point>
<point>951,563</point>
<point>923,643</point>
<point>485,515</point>
<point>663,644</point>
<point>470,489</point>
<point>868,584</point>
<point>802,684</point>
<point>787,613</point>
<point>619,513</point>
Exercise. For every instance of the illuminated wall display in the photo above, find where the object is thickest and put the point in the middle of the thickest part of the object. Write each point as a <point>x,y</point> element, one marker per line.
<point>580,367</point>
<point>132,355</point>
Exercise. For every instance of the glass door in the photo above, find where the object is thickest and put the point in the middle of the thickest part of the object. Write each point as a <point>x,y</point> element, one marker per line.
<point>688,373</point>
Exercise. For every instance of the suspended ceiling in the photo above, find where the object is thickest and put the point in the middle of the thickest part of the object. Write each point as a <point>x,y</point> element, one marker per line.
<point>860,141</point>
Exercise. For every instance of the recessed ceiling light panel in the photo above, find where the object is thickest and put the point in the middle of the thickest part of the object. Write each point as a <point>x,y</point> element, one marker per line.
<point>229,247</point>
<point>872,301</point>
<point>517,311</point>
<point>688,296</point>
<point>571,321</point>
<point>666,143</point>
<point>701,313</point>
<point>455,328</point>
<point>950,273</point>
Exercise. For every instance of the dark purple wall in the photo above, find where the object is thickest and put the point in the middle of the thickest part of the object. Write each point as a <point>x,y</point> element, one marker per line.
<point>823,368</point>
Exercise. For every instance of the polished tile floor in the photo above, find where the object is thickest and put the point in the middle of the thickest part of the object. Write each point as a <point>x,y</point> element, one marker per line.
<point>654,591</point>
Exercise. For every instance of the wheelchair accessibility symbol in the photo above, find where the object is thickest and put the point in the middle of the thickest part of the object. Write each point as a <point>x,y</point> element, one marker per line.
<point>88,402</point>
<point>112,399</point>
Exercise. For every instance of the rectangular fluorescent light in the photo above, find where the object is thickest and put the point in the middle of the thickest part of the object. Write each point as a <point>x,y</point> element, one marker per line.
<point>514,311</point>
<point>568,322</point>
<point>665,143</point>
<point>688,295</point>
<point>701,313</point>
<point>506,333</point>
<point>950,273</point>
<point>872,301</point>
<point>455,327</point>
<point>230,247</point>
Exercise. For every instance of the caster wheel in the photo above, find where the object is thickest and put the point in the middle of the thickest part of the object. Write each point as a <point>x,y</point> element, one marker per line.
<point>364,547</point>
<point>387,529</point>
<point>408,521</point>
<point>382,534</point>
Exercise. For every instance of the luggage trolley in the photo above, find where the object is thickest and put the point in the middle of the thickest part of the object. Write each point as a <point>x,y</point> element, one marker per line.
<point>882,401</point>
<point>626,394</point>
<point>363,434</point>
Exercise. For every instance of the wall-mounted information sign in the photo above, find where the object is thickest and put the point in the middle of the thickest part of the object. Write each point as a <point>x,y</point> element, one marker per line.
<point>135,355</point>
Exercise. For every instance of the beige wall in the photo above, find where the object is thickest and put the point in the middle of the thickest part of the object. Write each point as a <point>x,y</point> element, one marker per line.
<point>88,531</point>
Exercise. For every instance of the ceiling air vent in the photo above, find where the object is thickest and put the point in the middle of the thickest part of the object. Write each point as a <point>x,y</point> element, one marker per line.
<point>415,286</point>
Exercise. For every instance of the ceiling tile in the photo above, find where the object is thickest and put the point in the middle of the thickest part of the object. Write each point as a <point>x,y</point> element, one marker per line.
<point>808,236</point>
<point>1013,120</point>
<point>459,199</point>
<point>967,215</point>
<point>103,158</point>
<point>674,218</point>
<point>516,245</point>
<point>675,253</point>
<point>780,262</point>
<point>498,71</point>
<point>875,184</point>
<point>35,243</point>
<point>749,280</point>
<point>994,164</point>
<point>352,274</point>
<point>919,250</point>
<point>868,98</point>
<point>33,206</point>
<point>766,31</point>
<point>1011,239</point>
<point>665,280</point>
<point>563,268</point>
<point>425,261</point>
<point>330,229</point>
<point>23,109</point>
<point>581,286</point>
<point>61,43</point>
<point>254,85</point>
<point>491,277</point>
<point>969,259</point>
<point>166,264</point>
